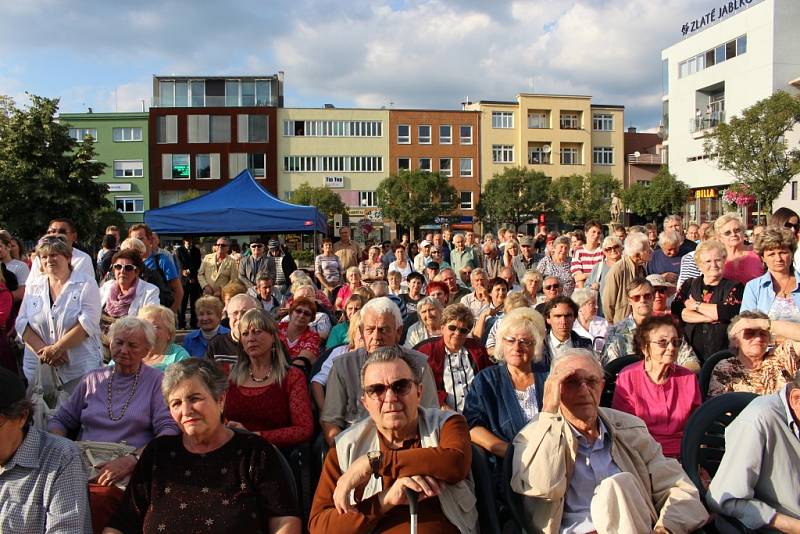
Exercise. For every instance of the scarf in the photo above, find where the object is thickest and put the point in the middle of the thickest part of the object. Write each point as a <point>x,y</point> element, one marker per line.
<point>119,301</point>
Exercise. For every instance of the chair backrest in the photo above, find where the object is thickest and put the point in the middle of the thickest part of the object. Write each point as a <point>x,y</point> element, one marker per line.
<point>513,500</point>
<point>708,369</point>
<point>703,442</point>
<point>424,342</point>
<point>611,370</point>
<point>484,491</point>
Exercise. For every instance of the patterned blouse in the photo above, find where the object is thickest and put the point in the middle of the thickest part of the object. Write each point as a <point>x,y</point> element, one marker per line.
<point>773,373</point>
<point>308,340</point>
<point>561,271</point>
<point>371,271</point>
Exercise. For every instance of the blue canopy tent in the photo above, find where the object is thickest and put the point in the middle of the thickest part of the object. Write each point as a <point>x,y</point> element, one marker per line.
<point>239,207</point>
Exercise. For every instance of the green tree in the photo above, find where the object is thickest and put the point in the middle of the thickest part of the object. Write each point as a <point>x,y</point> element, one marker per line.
<point>190,194</point>
<point>584,198</point>
<point>754,149</point>
<point>325,200</point>
<point>665,195</point>
<point>412,198</point>
<point>514,196</point>
<point>44,173</point>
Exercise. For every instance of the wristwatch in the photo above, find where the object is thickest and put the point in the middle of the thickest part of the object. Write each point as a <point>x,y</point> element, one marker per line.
<point>375,458</point>
<point>696,306</point>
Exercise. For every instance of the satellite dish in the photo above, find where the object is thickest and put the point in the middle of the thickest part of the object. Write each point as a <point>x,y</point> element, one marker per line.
<point>637,154</point>
<point>546,149</point>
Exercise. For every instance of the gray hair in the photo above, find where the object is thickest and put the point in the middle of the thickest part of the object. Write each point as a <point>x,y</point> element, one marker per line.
<point>610,241</point>
<point>166,315</point>
<point>724,219</point>
<point>532,274</point>
<point>636,243</point>
<point>669,237</point>
<point>677,218</point>
<point>747,314</point>
<point>562,240</point>
<point>391,354</point>
<point>477,271</point>
<point>380,287</point>
<point>133,324</point>
<point>583,295</point>
<point>264,277</point>
<point>244,296</point>
<point>572,353</point>
<point>430,301</point>
<point>206,371</point>
<point>383,306</point>
<point>527,320</point>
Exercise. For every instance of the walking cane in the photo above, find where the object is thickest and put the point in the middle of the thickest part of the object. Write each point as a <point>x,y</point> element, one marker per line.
<point>412,497</point>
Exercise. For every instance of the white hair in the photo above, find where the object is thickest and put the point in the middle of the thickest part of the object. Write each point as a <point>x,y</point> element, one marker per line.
<point>527,320</point>
<point>572,353</point>
<point>636,243</point>
<point>669,237</point>
<point>383,306</point>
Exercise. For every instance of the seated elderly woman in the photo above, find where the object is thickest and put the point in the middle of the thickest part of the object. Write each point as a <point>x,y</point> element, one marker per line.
<point>353,278</point>
<point>165,351</point>
<point>115,404</point>
<point>583,468</point>
<point>295,332</point>
<point>266,394</point>
<point>558,265</point>
<point>165,495</point>
<point>429,310</point>
<point>504,398</point>
<point>320,322</point>
<point>657,390</point>
<point>209,315</point>
<point>777,292</point>
<point>754,367</point>
<point>400,445</point>
<point>588,324</point>
<point>454,357</point>
<point>338,335</point>
<point>127,293</point>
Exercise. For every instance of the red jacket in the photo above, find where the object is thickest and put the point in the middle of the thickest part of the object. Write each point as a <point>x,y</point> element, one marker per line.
<point>435,351</point>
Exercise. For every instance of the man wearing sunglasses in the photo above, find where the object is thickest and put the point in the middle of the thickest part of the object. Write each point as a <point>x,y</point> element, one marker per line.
<point>551,288</point>
<point>258,263</point>
<point>81,262</point>
<point>217,269</point>
<point>583,468</point>
<point>381,326</point>
<point>400,445</point>
<point>619,336</point>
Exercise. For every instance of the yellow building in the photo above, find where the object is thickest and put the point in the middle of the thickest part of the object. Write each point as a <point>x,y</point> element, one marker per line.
<point>559,135</point>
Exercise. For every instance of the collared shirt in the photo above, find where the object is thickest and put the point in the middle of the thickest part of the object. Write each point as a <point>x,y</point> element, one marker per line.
<point>619,343</point>
<point>784,395</point>
<point>556,346</point>
<point>593,464</point>
<point>43,487</point>
<point>457,374</point>
<point>475,305</point>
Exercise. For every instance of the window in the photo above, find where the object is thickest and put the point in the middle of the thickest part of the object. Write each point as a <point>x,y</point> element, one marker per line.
<point>121,135</point>
<point>403,134</point>
<point>502,153</point>
<point>465,134</point>
<point>425,164</point>
<point>466,200</point>
<point>79,134</point>
<point>741,45</point>
<point>166,93</point>
<point>502,119</point>
<point>128,168</point>
<point>181,94</point>
<point>603,155</point>
<point>175,167</point>
<point>569,156</point>
<point>167,129</point>
<point>367,199</point>
<point>569,121</point>
<point>215,93</point>
<point>332,128</point>
<point>221,128</point>
<point>129,204</point>
<point>231,93</point>
<point>248,94</point>
<point>603,122</point>
<point>446,167</point>
<point>197,128</point>
<point>252,129</point>
<point>539,155</point>
<point>257,164</point>
<point>465,167</point>
<point>333,163</point>
<point>404,164</point>
<point>198,93</point>
<point>445,134</point>
<point>263,93</point>
<point>202,166</point>
<point>794,190</point>
<point>424,134</point>
<point>538,119</point>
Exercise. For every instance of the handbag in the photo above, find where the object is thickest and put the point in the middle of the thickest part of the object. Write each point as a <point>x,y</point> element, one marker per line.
<point>95,453</point>
<point>46,392</point>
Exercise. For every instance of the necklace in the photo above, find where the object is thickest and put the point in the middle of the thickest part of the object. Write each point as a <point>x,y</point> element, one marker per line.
<point>259,380</point>
<point>127,402</point>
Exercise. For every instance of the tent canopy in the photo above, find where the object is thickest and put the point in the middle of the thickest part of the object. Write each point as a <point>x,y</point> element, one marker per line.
<point>239,207</point>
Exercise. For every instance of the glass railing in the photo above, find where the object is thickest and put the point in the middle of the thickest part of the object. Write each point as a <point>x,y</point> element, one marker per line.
<point>706,121</point>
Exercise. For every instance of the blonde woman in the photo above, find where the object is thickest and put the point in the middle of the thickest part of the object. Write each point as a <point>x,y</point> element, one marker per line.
<point>165,351</point>
<point>742,264</point>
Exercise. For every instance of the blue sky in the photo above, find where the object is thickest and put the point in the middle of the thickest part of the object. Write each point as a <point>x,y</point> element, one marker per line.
<point>405,53</point>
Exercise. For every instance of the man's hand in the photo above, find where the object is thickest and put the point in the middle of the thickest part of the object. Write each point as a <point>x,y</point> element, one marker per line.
<point>356,475</point>
<point>672,278</point>
<point>115,470</point>
<point>551,398</point>
<point>395,496</point>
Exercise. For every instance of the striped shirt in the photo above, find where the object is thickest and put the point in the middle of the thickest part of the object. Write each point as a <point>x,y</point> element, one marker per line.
<point>584,261</point>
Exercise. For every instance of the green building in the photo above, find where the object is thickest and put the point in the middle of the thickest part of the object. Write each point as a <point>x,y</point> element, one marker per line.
<point>121,143</point>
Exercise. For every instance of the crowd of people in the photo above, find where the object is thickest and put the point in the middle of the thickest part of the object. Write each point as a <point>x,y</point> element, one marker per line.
<point>150,389</point>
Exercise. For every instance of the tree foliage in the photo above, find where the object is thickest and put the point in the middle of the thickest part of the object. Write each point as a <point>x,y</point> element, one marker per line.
<point>514,196</point>
<point>754,149</point>
<point>584,198</point>
<point>412,198</point>
<point>325,200</point>
<point>665,195</point>
<point>44,173</point>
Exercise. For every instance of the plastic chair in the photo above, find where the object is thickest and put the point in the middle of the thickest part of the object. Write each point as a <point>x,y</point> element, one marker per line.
<point>611,370</point>
<point>484,492</point>
<point>708,369</point>
<point>513,500</point>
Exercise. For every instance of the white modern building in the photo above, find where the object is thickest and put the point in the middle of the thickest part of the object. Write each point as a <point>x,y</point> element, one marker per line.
<point>731,56</point>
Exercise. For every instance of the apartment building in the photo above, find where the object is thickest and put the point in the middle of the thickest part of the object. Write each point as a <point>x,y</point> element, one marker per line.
<point>643,157</point>
<point>205,130</point>
<point>120,143</point>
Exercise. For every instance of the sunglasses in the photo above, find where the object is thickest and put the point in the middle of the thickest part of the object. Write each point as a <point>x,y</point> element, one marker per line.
<point>792,226</point>
<point>728,233</point>
<point>750,333</point>
<point>551,287</point>
<point>637,298</point>
<point>128,267</point>
<point>303,311</point>
<point>663,343</point>
<point>611,249</point>
<point>401,388</point>
<point>516,340</point>
<point>576,383</point>
<point>661,290</point>
<point>222,245</point>
<point>256,246</point>
<point>462,331</point>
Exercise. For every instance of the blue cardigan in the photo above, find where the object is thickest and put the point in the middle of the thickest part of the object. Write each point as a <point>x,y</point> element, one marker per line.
<point>759,293</point>
<point>492,403</point>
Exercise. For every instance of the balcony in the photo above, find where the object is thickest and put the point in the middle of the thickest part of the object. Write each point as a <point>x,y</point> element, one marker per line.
<point>706,121</point>
<point>646,159</point>
<point>212,102</point>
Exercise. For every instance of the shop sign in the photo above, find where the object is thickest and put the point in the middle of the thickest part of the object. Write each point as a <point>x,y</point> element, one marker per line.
<point>118,188</point>
<point>724,10</point>
<point>356,212</point>
<point>708,192</point>
<point>334,182</point>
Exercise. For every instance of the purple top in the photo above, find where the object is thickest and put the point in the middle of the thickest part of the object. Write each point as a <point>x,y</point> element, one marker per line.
<point>87,408</point>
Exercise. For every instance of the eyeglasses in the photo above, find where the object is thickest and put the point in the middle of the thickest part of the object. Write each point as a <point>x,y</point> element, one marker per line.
<point>462,331</point>
<point>518,340</point>
<point>222,245</point>
<point>551,287</point>
<point>576,383</point>
<point>637,298</point>
<point>305,312</point>
<point>676,342</point>
<point>750,333</point>
<point>611,249</point>
<point>256,245</point>
<point>735,231</point>
<point>61,231</point>
<point>401,388</point>
<point>127,267</point>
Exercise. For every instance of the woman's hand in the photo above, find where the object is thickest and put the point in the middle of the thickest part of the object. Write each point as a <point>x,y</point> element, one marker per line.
<point>115,470</point>
<point>53,355</point>
<point>356,475</point>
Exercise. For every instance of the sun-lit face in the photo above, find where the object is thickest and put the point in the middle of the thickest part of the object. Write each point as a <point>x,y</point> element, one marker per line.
<point>662,345</point>
<point>778,260</point>
<point>391,411</point>
<point>194,409</point>
<point>256,342</point>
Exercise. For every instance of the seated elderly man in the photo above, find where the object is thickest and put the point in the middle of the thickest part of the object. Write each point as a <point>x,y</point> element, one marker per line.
<point>381,326</point>
<point>42,479</point>
<point>591,469</point>
<point>666,260</point>
<point>400,445</point>
<point>757,481</point>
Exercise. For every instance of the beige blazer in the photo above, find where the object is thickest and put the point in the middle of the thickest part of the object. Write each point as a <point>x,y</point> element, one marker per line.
<point>216,276</point>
